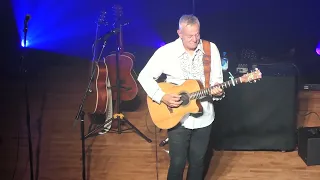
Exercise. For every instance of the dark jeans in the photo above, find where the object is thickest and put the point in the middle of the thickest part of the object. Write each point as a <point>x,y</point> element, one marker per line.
<point>186,144</point>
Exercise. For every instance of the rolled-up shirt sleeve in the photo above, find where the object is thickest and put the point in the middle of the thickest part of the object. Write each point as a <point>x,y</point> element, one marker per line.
<point>150,73</point>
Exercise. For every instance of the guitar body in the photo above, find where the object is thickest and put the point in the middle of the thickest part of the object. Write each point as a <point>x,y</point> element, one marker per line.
<point>97,101</point>
<point>191,90</point>
<point>163,116</point>
<point>129,88</point>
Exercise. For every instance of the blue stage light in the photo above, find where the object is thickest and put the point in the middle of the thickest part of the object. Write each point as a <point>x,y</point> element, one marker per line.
<point>22,43</point>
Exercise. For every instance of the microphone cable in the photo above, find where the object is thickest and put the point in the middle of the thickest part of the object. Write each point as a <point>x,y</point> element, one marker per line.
<point>156,143</point>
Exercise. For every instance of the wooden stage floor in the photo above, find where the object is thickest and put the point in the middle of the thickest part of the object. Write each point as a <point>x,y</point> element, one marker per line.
<point>55,95</point>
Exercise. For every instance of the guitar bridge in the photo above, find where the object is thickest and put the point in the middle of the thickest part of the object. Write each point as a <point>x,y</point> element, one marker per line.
<point>170,109</point>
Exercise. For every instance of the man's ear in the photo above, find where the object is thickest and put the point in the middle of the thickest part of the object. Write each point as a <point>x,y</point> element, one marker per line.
<point>179,33</point>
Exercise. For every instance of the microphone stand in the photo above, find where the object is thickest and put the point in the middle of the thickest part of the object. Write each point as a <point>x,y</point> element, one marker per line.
<point>24,72</point>
<point>104,38</point>
<point>81,113</point>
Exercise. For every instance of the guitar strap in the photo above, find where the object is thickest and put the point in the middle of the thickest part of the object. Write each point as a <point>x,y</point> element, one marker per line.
<point>207,62</point>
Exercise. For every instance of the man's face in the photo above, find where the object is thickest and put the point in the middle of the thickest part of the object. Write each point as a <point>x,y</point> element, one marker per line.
<point>190,36</point>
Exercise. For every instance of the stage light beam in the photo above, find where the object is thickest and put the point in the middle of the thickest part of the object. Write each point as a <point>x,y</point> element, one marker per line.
<point>22,43</point>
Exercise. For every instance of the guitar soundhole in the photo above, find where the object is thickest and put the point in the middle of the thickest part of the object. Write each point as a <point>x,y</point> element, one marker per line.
<point>184,98</point>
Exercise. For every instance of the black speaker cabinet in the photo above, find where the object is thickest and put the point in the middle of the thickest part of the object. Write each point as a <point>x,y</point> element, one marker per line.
<point>309,145</point>
<point>257,116</point>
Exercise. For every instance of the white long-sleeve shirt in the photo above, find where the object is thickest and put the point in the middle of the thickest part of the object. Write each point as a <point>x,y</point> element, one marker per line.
<point>172,60</point>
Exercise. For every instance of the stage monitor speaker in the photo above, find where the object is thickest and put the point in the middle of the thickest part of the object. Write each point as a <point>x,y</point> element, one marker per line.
<point>309,145</point>
<point>257,116</point>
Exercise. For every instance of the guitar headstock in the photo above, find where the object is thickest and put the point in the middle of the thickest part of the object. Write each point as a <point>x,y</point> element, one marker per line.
<point>252,77</point>
<point>118,16</point>
<point>102,19</point>
<point>117,12</point>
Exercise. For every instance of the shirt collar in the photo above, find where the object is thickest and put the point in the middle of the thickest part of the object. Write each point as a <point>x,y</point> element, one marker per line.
<point>181,50</point>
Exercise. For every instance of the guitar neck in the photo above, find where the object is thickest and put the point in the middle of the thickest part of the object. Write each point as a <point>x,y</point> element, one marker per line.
<point>120,39</point>
<point>207,91</point>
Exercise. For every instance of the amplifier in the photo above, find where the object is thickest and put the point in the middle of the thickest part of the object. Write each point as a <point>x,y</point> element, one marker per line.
<point>311,87</point>
<point>309,145</point>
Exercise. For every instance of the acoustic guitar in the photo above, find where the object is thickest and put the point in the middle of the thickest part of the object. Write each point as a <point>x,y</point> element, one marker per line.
<point>99,101</point>
<point>128,89</point>
<point>191,91</point>
<point>120,64</point>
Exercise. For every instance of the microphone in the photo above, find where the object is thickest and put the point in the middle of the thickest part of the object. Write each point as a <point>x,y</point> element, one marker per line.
<point>108,34</point>
<point>112,32</point>
<point>124,24</point>
<point>164,142</point>
<point>26,20</point>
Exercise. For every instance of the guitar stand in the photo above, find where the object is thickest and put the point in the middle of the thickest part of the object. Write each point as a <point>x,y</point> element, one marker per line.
<point>119,117</point>
<point>121,120</point>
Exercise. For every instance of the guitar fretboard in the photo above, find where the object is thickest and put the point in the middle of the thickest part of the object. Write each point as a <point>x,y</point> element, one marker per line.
<point>207,91</point>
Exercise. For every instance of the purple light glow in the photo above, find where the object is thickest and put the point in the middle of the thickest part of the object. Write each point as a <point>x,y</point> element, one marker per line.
<point>318,51</point>
<point>162,44</point>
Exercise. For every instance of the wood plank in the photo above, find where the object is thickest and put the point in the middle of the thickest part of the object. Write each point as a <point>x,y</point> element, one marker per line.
<point>127,155</point>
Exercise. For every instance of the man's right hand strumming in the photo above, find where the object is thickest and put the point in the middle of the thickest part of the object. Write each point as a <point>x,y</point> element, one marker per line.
<point>172,100</point>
